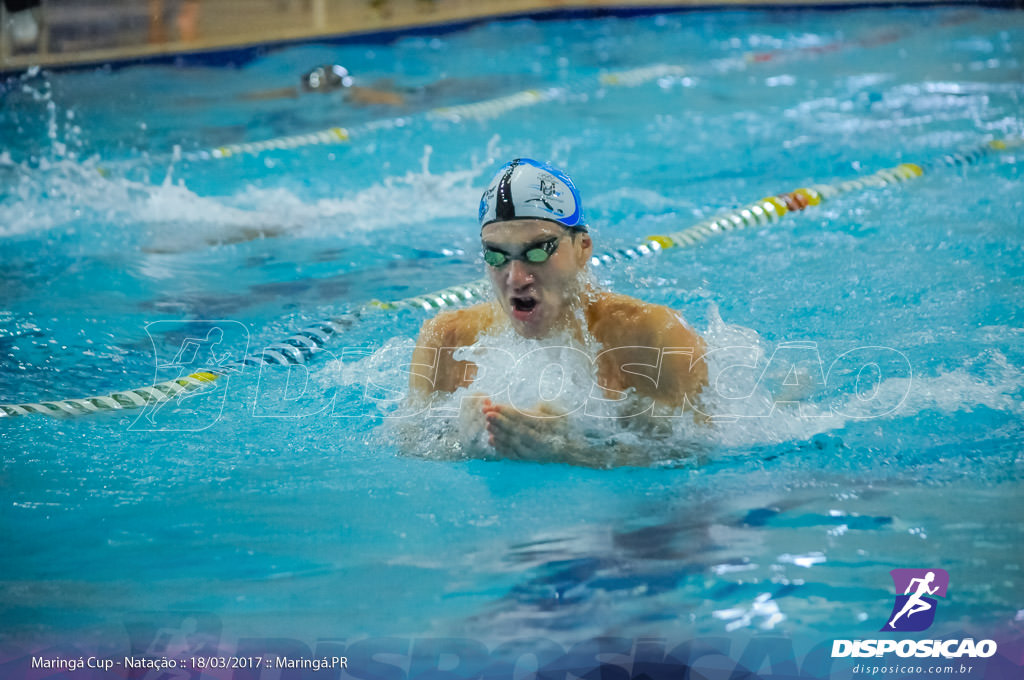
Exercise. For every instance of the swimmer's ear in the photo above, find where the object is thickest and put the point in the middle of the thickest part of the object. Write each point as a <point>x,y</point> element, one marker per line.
<point>585,249</point>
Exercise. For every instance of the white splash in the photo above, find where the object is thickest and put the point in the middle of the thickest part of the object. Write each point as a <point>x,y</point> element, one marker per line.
<point>748,402</point>
<point>169,217</point>
<point>763,609</point>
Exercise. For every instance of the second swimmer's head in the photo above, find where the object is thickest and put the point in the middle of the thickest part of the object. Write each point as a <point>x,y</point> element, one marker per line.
<point>326,78</point>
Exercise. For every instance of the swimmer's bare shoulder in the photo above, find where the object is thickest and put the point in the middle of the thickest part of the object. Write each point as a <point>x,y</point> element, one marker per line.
<point>641,332</point>
<point>434,369</point>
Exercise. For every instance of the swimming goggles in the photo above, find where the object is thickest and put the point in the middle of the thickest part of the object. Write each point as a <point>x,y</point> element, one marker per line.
<point>536,254</point>
<point>328,77</point>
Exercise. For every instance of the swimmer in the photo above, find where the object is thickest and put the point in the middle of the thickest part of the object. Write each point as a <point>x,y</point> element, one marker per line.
<point>537,247</point>
<point>332,78</point>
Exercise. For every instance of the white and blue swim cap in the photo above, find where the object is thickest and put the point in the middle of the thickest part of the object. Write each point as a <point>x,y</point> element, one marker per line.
<point>526,189</point>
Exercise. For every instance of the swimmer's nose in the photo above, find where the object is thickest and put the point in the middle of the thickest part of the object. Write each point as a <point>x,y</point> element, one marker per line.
<point>519,274</point>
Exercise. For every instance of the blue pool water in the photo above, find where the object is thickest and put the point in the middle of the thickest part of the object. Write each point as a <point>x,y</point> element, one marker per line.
<point>259,508</point>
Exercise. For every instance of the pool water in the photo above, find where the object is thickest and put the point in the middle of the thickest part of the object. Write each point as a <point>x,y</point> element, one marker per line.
<point>286,508</point>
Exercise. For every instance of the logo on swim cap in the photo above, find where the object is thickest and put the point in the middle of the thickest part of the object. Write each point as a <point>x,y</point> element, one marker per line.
<point>527,189</point>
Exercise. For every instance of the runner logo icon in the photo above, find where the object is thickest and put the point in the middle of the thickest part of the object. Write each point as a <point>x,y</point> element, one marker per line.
<point>914,610</point>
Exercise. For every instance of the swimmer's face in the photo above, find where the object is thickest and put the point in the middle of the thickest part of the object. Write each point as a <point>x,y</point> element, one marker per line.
<point>537,297</point>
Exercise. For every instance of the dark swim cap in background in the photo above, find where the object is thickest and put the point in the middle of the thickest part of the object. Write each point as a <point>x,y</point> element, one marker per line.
<point>526,189</point>
<point>327,77</point>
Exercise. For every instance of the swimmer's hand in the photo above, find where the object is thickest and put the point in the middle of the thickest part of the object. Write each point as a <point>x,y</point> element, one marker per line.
<point>540,434</point>
<point>543,435</point>
<point>473,426</point>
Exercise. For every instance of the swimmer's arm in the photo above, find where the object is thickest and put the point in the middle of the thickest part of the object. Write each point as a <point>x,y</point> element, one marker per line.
<point>368,96</point>
<point>263,95</point>
<point>658,356</point>
<point>433,368</point>
<point>426,362</point>
<point>683,371</point>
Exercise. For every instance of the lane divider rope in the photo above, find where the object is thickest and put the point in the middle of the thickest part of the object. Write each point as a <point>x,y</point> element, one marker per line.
<point>306,342</point>
<point>492,108</point>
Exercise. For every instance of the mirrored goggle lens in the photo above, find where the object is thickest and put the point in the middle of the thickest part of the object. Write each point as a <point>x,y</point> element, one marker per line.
<point>533,255</point>
<point>537,255</point>
<point>494,258</point>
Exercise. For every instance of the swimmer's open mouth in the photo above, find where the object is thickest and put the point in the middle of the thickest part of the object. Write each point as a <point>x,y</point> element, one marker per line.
<point>523,304</point>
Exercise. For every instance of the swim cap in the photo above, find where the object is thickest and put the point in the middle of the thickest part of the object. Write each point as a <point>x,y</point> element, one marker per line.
<point>526,189</point>
<point>327,77</point>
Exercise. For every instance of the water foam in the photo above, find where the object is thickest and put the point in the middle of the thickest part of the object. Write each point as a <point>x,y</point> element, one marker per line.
<point>749,402</point>
<point>63,193</point>
<point>56,187</point>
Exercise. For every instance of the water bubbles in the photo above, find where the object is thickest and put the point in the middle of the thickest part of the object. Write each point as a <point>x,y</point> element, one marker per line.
<point>763,612</point>
<point>806,561</point>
